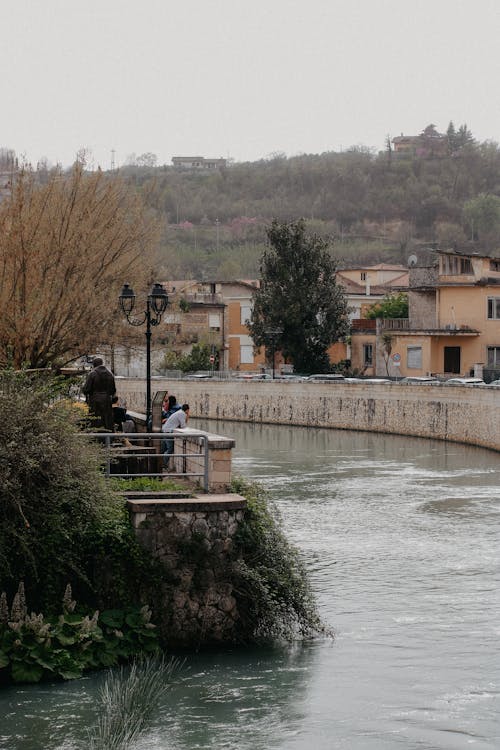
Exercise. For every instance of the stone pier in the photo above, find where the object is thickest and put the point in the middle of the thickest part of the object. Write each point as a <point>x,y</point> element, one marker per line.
<point>194,538</point>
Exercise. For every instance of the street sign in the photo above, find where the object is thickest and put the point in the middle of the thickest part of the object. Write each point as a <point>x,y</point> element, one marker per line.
<point>396,358</point>
<point>212,359</point>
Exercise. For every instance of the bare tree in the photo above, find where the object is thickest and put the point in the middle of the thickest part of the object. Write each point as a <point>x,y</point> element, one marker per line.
<point>65,249</point>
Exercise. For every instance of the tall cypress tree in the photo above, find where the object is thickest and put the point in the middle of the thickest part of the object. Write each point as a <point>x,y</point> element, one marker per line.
<point>299,308</point>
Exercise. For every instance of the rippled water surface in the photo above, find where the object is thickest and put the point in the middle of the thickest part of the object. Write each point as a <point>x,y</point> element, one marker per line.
<point>401,538</point>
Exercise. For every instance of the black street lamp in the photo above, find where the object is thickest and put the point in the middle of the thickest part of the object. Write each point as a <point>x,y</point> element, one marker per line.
<point>273,334</point>
<point>156,304</point>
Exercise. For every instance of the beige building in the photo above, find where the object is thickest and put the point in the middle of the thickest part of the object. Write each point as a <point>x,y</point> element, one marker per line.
<point>215,313</point>
<point>364,287</point>
<point>454,320</point>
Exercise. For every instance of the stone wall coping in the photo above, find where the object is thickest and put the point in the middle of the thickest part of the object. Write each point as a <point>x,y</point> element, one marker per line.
<point>215,442</point>
<point>229,501</point>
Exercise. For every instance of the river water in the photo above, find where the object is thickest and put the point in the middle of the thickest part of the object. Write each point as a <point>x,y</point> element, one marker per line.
<point>401,537</point>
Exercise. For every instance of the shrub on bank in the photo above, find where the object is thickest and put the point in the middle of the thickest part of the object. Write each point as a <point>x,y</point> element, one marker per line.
<point>275,600</point>
<point>60,521</point>
<point>33,647</point>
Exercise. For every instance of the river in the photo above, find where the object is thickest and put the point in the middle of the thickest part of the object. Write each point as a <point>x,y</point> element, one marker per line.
<point>401,537</point>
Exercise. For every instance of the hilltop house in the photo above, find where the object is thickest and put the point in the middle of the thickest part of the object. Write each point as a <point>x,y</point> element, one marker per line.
<point>427,145</point>
<point>197,162</point>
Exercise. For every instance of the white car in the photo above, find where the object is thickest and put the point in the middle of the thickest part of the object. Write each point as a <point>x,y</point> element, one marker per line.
<point>426,379</point>
<point>464,381</point>
<point>367,380</point>
<point>326,377</point>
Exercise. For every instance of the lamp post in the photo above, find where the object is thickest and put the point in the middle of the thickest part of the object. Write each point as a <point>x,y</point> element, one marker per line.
<point>274,334</point>
<point>156,304</point>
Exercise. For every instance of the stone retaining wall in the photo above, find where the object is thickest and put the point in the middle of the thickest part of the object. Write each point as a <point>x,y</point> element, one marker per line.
<point>194,538</point>
<point>457,413</point>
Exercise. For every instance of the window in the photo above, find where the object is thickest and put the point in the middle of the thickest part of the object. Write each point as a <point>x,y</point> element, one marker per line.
<point>246,313</point>
<point>363,275</point>
<point>214,321</point>
<point>453,265</point>
<point>368,355</point>
<point>494,265</point>
<point>493,356</point>
<point>246,354</point>
<point>414,357</point>
<point>493,308</point>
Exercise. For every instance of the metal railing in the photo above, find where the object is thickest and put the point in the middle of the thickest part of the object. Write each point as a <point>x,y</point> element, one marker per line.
<point>139,454</point>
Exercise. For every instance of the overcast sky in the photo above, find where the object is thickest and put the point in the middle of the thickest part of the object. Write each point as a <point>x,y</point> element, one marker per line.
<point>241,78</point>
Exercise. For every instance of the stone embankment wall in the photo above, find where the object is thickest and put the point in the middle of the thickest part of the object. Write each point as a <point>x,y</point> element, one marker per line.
<point>457,413</point>
<point>194,538</point>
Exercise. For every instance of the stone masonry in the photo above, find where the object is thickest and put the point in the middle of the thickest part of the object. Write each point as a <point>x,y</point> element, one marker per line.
<point>456,413</point>
<point>194,539</point>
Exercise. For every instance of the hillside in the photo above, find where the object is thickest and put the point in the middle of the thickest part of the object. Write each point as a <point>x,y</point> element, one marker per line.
<point>375,207</point>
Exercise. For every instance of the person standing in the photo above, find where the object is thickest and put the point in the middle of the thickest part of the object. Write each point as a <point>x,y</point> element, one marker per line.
<point>99,389</point>
<point>175,421</point>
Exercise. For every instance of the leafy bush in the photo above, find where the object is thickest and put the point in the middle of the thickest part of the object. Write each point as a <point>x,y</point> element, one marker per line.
<point>197,359</point>
<point>33,647</point>
<point>392,306</point>
<point>274,597</point>
<point>59,519</point>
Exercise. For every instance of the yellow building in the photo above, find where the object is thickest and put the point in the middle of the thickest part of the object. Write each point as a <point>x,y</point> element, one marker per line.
<point>216,313</point>
<point>454,319</point>
<point>364,287</point>
<point>241,354</point>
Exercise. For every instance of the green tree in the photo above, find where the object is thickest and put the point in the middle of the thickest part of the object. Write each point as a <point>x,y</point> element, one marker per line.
<point>482,215</point>
<point>197,359</point>
<point>299,307</point>
<point>392,306</point>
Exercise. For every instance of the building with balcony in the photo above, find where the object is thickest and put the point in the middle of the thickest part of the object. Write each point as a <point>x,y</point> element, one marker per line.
<point>453,326</point>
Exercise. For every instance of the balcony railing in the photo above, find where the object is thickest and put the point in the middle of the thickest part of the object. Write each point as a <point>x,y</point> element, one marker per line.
<point>205,298</point>
<point>395,324</point>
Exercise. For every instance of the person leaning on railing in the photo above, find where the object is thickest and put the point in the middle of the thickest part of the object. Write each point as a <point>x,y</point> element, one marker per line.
<point>175,421</point>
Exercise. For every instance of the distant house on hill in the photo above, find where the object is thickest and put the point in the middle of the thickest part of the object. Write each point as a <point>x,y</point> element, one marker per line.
<point>197,162</point>
<point>427,145</point>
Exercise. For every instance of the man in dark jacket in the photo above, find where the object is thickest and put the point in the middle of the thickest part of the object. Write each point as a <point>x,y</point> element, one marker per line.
<point>99,389</point>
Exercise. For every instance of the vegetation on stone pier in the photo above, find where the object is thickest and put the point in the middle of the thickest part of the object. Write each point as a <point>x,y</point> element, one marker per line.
<point>275,599</point>
<point>60,522</point>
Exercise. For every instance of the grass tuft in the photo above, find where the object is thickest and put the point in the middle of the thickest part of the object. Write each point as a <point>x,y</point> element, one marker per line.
<point>128,699</point>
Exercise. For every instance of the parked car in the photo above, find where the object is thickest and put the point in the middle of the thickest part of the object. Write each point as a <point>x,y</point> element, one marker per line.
<point>426,379</point>
<point>367,380</point>
<point>326,377</point>
<point>493,384</point>
<point>199,376</point>
<point>254,376</point>
<point>290,378</point>
<point>464,381</point>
